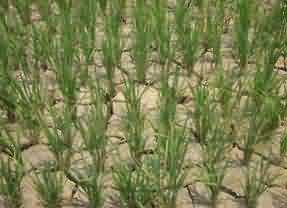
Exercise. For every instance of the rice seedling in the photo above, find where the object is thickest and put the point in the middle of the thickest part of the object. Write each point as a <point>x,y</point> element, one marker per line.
<point>161,31</point>
<point>242,30</point>
<point>265,107</point>
<point>90,181</point>
<point>24,10</point>
<point>111,47</point>
<point>135,187</point>
<point>257,180</point>
<point>215,31</point>
<point>49,185</point>
<point>135,121</point>
<point>11,177</point>
<point>87,29</point>
<point>93,130</point>
<point>11,171</point>
<point>172,167</point>
<point>261,126</point>
<point>188,35</point>
<point>142,38</point>
<point>214,164</point>
<point>203,112</point>
<point>168,95</point>
<point>95,140</point>
<point>60,138</point>
<point>171,144</point>
<point>8,103</point>
<point>63,57</point>
<point>30,103</point>
<point>22,93</point>
<point>224,83</point>
<point>283,144</point>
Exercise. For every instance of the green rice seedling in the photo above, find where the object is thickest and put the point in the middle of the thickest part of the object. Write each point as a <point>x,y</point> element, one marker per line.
<point>188,35</point>
<point>24,88</point>
<point>161,30</point>
<point>90,181</point>
<point>63,57</point>
<point>142,38</point>
<point>203,112</point>
<point>49,185</point>
<point>283,144</point>
<point>13,55</point>
<point>168,97</point>
<point>8,103</point>
<point>172,170</point>
<point>265,107</point>
<point>214,164</point>
<point>271,28</point>
<point>11,172</point>
<point>87,29</point>
<point>135,121</point>
<point>87,37</point>
<point>171,143</point>
<point>134,187</point>
<point>242,30</point>
<point>262,123</point>
<point>93,130</point>
<point>29,100</point>
<point>23,10</point>
<point>61,138</point>
<point>111,47</point>
<point>29,111</point>
<point>224,83</point>
<point>95,140</point>
<point>42,37</point>
<point>257,181</point>
<point>212,22</point>
<point>44,8</point>
<point>215,30</point>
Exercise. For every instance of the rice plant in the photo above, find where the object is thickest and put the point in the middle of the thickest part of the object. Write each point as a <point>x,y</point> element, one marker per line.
<point>93,130</point>
<point>171,144</point>
<point>172,172</point>
<point>242,30</point>
<point>49,185</point>
<point>257,180</point>
<point>12,171</point>
<point>135,124</point>
<point>265,107</point>
<point>63,57</point>
<point>203,112</point>
<point>214,164</point>
<point>90,182</point>
<point>188,31</point>
<point>111,47</point>
<point>142,39</point>
<point>60,138</point>
<point>135,187</point>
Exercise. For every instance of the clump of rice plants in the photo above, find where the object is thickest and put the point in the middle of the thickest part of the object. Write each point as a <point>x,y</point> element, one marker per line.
<point>12,171</point>
<point>49,184</point>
